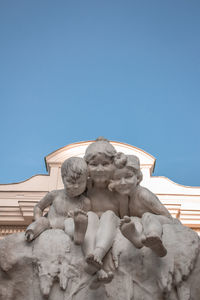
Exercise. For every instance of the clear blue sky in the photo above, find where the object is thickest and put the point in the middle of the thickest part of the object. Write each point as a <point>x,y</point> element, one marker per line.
<point>73,70</point>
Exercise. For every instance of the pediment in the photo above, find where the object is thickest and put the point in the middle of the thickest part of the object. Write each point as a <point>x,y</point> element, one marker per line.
<point>78,149</point>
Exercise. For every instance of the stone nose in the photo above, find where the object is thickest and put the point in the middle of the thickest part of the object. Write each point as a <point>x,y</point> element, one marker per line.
<point>99,168</point>
<point>122,181</point>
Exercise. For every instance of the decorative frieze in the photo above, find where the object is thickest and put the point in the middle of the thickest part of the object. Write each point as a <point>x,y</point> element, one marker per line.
<point>9,229</point>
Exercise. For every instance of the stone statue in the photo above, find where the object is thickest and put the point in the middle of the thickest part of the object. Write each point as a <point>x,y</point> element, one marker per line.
<point>143,204</point>
<point>104,237</point>
<point>68,206</point>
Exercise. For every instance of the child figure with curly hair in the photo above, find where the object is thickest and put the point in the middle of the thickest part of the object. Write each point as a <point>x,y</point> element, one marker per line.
<point>105,214</point>
<point>147,213</point>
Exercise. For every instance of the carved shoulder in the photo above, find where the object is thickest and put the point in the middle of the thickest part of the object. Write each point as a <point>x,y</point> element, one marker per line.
<point>47,200</point>
<point>151,202</point>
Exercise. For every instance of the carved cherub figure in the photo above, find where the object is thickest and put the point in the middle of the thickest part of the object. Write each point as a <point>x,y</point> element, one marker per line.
<point>68,206</point>
<point>148,214</point>
<point>103,219</point>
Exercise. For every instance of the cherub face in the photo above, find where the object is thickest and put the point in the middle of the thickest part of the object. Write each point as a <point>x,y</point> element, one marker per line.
<point>124,181</point>
<point>75,187</point>
<point>100,168</point>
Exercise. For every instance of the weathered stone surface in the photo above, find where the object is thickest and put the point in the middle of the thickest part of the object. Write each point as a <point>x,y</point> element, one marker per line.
<point>52,267</point>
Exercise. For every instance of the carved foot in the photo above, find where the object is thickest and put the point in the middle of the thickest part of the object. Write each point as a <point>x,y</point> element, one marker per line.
<point>103,277</point>
<point>125,220</point>
<point>91,259</point>
<point>29,235</point>
<point>90,269</point>
<point>36,228</point>
<point>81,222</point>
<point>156,245</point>
<point>128,229</point>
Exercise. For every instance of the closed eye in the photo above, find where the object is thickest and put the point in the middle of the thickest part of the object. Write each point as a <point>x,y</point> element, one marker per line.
<point>117,178</point>
<point>128,176</point>
<point>93,164</point>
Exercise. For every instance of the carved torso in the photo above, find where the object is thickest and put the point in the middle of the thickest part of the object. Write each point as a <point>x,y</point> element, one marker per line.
<point>102,200</point>
<point>61,206</point>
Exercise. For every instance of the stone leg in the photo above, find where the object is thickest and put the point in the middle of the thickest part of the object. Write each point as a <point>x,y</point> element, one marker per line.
<point>165,220</point>
<point>108,263</point>
<point>69,227</point>
<point>153,234</point>
<point>88,244</point>
<point>90,235</point>
<point>151,225</point>
<point>106,233</point>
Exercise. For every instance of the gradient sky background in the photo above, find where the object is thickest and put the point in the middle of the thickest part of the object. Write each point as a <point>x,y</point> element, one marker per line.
<point>73,70</point>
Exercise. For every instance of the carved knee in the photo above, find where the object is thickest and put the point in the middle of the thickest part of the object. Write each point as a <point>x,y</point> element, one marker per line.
<point>146,217</point>
<point>110,216</point>
<point>109,213</point>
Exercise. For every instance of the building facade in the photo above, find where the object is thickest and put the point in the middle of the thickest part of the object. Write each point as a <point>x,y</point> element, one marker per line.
<point>17,200</point>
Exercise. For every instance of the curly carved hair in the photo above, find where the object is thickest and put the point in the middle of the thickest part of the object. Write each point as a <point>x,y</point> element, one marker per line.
<point>74,167</point>
<point>100,146</point>
<point>131,162</point>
